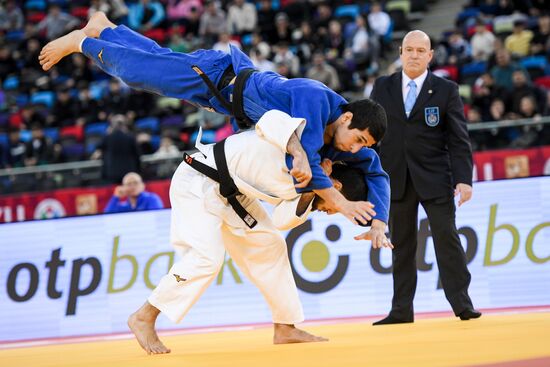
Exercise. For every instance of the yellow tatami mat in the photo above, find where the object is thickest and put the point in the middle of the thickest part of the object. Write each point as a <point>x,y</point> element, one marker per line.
<point>493,339</point>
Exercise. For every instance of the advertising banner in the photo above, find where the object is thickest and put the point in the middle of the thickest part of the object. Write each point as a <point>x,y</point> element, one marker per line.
<point>85,275</point>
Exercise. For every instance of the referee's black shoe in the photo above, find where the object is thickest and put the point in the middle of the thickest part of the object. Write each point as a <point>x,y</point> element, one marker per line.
<point>469,313</point>
<point>391,320</point>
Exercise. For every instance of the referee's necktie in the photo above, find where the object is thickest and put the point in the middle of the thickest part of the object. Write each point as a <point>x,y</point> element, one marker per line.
<point>411,98</point>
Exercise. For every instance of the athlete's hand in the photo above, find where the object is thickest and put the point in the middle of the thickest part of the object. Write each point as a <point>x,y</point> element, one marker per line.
<point>301,170</point>
<point>326,165</point>
<point>464,191</point>
<point>120,192</point>
<point>357,211</point>
<point>376,235</point>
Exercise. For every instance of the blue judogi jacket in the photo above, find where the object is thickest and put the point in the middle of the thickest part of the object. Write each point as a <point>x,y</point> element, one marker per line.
<point>143,64</point>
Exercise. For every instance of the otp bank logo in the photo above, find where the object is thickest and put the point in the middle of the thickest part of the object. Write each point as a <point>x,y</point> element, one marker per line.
<point>315,267</point>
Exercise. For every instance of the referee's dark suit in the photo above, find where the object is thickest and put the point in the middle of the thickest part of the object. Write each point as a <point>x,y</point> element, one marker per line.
<point>425,155</point>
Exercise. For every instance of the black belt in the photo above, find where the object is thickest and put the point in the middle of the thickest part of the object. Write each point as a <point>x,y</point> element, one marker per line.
<point>236,106</point>
<point>228,189</point>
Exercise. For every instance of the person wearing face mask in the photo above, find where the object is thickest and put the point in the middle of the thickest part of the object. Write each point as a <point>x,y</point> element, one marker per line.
<point>427,154</point>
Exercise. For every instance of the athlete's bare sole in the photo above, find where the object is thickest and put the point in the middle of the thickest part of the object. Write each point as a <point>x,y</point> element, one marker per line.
<point>57,49</point>
<point>288,334</point>
<point>142,324</point>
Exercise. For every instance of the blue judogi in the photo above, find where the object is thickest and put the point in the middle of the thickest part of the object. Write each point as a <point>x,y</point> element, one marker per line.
<point>143,64</point>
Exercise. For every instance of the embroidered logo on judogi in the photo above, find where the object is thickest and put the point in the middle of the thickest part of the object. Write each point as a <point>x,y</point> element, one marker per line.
<point>178,278</point>
<point>431,116</point>
<point>100,56</point>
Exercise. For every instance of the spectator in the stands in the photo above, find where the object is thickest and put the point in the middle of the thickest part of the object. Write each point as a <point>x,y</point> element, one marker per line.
<point>118,150</point>
<point>282,31</point>
<point>260,61</point>
<point>39,149</point>
<point>116,101</point>
<point>57,22</point>
<point>484,91</point>
<point>88,107</point>
<point>11,17</point>
<point>320,70</point>
<point>522,88</point>
<point>181,11</point>
<point>358,44</point>
<point>283,55</point>
<point>167,148</point>
<point>459,49</point>
<point>132,197</point>
<point>15,152</point>
<point>241,17</point>
<point>540,44</point>
<point>518,42</point>
<point>80,69</point>
<point>266,18</point>
<point>145,15</point>
<point>497,110</point>
<point>334,41</point>
<point>213,22</point>
<point>8,65</point>
<point>65,110</point>
<point>224,40</point>
<point>503,70</point>
<point>483,42</point>
<point>379,21</point>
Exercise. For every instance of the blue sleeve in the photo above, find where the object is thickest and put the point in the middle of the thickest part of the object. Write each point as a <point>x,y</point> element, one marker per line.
<point>315,109</point>
<point>376,178</point>
<point>112,205</point>
<point>158,15</point>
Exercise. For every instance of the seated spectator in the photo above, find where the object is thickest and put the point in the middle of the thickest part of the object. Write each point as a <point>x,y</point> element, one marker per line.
<point>144,142</point>
<point>358,44</point>
<point>483,42</point>
<point>282,31</point>
<point>334,41</point>
<point>181,10</point>
<point>484,92</point>
<point>540,44</point>
<point>241,17</point>
<point>56,23</point>
<point>283,55</point>
<point>39,149</point>
<point>322,19</point>
<point>260,45</point>
<point>65,110</point>
<point>522,88</point>
<point>8,65</point>
<point>519,41</point>
<point>167,148</point>
<point>497,110</point>
<point>266,18</point>
<point>503,70</point>
<point>379,20</point>
<point>116,101</point>
<point>320,70</point>
<point>132,197</point>
<point>459,49</point>
<point>15,151</point>
<point>224,40</point>
<point>306,41</point>
<point>260,61</point>
<point>145,15</point>
<point>213,22</point>
<point>11,17</point>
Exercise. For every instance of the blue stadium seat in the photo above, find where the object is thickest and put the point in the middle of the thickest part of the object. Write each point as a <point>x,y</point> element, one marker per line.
<point>74,152</point>
<point>534,62</point>
<point>4,139</point>
<point>96,128</point>
<point>148,123</point>
<point>25,136</point>
<point>208,136</point>
<point>46,98</point>
<point>474,68</point>
<point>97,89</point>
<point>15,36</point>
<point>52,133</point>
<point>11,82</point>
<point>155,142</point>
<point>467,14</point>
<point>35,4</point>
<point>351,11</point>
<point>21,99</point>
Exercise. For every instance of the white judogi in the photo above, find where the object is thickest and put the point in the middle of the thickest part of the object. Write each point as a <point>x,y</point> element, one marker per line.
<point>204,225</point>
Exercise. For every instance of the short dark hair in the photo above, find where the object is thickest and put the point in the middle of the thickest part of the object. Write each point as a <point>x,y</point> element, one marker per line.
<point>354,187</point>
<point>367,114</point>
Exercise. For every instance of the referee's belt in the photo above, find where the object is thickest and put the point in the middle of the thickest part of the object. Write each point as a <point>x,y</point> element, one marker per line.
<point>236,106</point>
<point>228,189</point>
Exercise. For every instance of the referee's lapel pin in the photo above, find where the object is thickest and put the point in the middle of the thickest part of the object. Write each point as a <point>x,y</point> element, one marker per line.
<point>430,91</point>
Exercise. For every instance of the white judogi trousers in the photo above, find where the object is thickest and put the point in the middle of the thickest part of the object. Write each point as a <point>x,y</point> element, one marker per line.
<point>203,227</point>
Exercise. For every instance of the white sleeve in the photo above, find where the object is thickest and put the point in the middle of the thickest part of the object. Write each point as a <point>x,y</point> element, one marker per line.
<point>277,127</point>
<point>284,215</point>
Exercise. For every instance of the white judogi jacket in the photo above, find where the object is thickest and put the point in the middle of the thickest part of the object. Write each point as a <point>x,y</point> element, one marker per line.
<point>256,162</point>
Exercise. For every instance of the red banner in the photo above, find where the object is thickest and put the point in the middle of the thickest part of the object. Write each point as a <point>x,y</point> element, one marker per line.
<point>491,165</point>
<point>500,164</point>
<point>67,202</point>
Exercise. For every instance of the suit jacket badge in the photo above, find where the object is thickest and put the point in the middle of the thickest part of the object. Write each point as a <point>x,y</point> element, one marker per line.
<point>431,116</point>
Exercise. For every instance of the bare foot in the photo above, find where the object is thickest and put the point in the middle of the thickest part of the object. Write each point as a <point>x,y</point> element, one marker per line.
<point>97,23</point>
<point>144,330</point>
<point>286,334</point>
<point>59,48</point>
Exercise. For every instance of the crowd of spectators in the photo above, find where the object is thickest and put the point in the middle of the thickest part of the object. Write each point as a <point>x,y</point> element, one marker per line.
<point>498,53</point>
